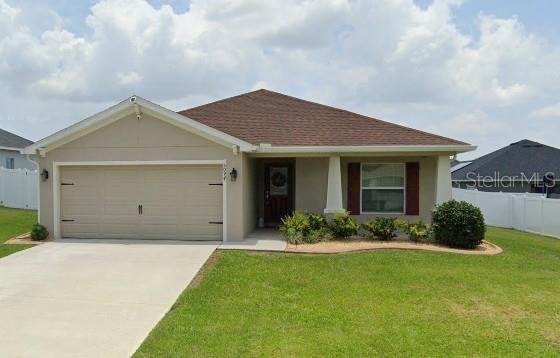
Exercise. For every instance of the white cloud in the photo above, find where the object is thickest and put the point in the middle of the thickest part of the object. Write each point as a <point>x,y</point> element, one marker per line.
<point>548,112</point>
<point>474,124</point>
<point>129,78</point>
<point>374,56</point>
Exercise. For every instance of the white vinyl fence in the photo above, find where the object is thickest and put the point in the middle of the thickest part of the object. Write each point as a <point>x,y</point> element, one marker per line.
<point>19,188</point>
<point>526,212</point>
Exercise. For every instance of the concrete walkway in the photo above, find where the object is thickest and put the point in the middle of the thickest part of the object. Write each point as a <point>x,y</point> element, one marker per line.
<point>258,240</point>
<point>91,299</point>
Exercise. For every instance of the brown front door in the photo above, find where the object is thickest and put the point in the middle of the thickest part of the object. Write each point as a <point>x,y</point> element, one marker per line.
<point>278,192</point>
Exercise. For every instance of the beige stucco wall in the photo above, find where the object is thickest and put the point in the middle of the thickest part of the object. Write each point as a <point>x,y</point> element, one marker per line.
<point>150,139</point>
<point>249,180</point>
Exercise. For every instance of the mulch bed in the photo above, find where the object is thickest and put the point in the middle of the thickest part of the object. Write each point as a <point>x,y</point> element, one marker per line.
<point>23,239</point>
<point>339,246</point>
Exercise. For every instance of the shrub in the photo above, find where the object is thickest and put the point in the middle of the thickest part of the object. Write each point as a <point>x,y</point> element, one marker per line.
<point>402,224</point>
<point>458,224</point>
<point>293,223</point>
<point>381,228</point>
<point>316,222</point>
<point>418,231</point>
<point>343,225</point>
<point>317,235</point>
<point>302,228</point>
<point>39,233</point>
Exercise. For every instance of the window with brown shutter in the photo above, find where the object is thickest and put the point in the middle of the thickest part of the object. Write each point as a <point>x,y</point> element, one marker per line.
<point>412,188</point>
<point>353,194</point>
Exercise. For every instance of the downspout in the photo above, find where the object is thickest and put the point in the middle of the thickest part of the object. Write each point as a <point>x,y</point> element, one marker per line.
<point>28,156</point>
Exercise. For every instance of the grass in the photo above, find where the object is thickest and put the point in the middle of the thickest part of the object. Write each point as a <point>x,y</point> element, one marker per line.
<point>12,223</point>
<point>389,303</point>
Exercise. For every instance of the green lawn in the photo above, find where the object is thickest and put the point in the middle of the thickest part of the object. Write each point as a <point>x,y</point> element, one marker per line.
<point>12,223</point>
<point>389,303</point>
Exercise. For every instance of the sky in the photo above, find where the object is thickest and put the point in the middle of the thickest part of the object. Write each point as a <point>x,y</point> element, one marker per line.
<point>482,71</point>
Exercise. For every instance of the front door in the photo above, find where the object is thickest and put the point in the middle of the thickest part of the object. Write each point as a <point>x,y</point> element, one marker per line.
<point>278,192</point>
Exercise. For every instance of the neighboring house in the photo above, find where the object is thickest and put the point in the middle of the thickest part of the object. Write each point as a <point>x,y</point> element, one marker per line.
<point>217,171</point>
<point>520,167</point>
<point>10,156</point>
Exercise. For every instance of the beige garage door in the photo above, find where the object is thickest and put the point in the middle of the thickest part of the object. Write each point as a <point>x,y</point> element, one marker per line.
<point>141,202</point>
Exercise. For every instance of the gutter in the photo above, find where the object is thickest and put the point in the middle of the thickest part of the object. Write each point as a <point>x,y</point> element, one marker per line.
<point>11,148</point>
<point>266,148</point>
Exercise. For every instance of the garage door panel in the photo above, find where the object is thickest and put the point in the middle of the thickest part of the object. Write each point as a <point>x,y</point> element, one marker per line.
<point>81,209</point>
<point>164,197</point>
<point>202,212</point>
<point>83,219</point>
<point>80,230</point>
<point>119,209</point>
<point>202,231</point>
<point>116,229</point>
<point>121,193</point>
<point>177,202</point>
<point>161,229</point>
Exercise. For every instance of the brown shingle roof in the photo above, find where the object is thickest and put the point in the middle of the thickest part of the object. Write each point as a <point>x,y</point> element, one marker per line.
<point>269,117</point>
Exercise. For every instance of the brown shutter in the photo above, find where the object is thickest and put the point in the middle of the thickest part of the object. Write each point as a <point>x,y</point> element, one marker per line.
<point>412,188</point>
<point>353,194</point>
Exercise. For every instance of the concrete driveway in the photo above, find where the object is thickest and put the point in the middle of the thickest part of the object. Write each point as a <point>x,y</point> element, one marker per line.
<point>91,299</point>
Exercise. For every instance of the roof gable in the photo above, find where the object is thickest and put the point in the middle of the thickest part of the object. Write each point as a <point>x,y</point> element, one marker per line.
<point>12,141</point>
<point>269,117</point>
<point>136,105</point>
<point>525,156</point>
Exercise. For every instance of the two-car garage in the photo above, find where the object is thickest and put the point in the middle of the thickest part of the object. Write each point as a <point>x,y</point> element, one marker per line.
<point>169,202</point>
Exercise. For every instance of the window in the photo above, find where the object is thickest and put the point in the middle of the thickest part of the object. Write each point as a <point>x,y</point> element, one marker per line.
<point>382,188</point>
<point>10,163</point>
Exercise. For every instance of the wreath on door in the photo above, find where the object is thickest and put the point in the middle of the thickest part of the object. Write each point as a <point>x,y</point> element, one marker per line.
<point>278,179</point>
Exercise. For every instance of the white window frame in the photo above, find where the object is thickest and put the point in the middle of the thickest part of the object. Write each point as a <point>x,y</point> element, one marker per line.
<point>386,188</point>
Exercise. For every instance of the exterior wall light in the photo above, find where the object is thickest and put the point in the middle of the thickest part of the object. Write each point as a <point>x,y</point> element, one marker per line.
<point>233,174</point>
<point>44,175</point>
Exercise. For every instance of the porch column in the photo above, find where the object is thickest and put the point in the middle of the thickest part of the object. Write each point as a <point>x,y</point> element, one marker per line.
<point>443,179</point>
<point>334,187</point>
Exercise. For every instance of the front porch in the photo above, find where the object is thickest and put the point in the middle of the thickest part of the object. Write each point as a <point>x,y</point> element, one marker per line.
<point>368,186</point>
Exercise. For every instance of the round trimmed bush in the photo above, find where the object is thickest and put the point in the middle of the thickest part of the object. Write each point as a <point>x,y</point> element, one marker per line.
<point>458,224</point>
<point>39,233</point>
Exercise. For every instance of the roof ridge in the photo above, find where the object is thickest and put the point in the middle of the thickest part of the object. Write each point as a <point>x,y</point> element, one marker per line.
<point>224,100</point>
<point>5,132</point>
<point>533,142</point>
<point>11,133</point>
